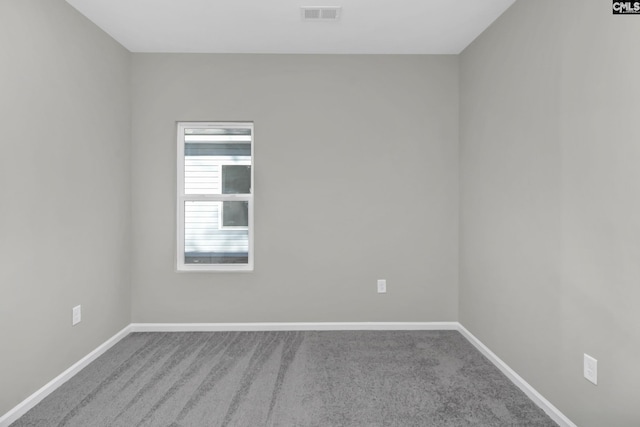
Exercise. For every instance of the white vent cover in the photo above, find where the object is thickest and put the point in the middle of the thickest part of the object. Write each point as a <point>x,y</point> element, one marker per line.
<point>323,13</point>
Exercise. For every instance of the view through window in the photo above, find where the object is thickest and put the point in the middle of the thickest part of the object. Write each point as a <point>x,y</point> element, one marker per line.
<point>215,199</point>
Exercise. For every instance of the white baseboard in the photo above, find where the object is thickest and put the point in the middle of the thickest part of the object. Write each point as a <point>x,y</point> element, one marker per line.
<point>531,392</point>
<point>52,385</point>
<point>536,397</point>
<point>304,326</point>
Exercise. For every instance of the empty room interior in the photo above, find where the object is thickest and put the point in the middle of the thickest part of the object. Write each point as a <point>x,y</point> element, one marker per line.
<point>246,213</point>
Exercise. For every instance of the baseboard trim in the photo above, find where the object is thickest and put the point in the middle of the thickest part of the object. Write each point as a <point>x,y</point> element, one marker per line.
<point>31,401</point>
<point>532,393</point>
<point>553,412</point>
<point>300,326</point>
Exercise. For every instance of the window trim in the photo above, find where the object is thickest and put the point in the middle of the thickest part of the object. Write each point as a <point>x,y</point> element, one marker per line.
<point>181,198</point>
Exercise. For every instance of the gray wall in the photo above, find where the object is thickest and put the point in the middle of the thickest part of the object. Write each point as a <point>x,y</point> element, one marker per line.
<point>65,191</point>
<point>356,179</point>
<point>550,202</point>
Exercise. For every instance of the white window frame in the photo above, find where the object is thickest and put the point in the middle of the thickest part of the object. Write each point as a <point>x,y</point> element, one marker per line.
<point>182,198</point>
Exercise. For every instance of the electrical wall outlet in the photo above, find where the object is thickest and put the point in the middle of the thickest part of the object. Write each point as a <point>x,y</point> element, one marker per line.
<point>382,286</point>
<point>591,369</point>
<point>77,315</point>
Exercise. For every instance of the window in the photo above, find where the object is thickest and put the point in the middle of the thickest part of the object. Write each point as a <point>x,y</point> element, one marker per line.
<point>215,197</point>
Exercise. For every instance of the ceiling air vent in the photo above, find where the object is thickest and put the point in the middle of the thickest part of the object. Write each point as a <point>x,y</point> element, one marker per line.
<point>324,13</point>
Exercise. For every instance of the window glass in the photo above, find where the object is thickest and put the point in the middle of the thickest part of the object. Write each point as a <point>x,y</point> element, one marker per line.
<point>215,197</point>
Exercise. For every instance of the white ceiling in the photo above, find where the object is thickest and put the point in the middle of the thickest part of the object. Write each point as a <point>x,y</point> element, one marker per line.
<point>261,26</point>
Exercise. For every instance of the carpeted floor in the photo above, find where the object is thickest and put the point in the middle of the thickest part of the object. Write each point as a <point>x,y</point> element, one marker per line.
<point>255,379</point>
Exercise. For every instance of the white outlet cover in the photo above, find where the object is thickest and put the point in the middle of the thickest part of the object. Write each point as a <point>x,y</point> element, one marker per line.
<point>382,286</point>
<point>591,369</point>
<point>77,315</point>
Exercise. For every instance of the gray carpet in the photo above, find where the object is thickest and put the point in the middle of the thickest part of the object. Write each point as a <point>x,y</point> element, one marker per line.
<point>254,379</point>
